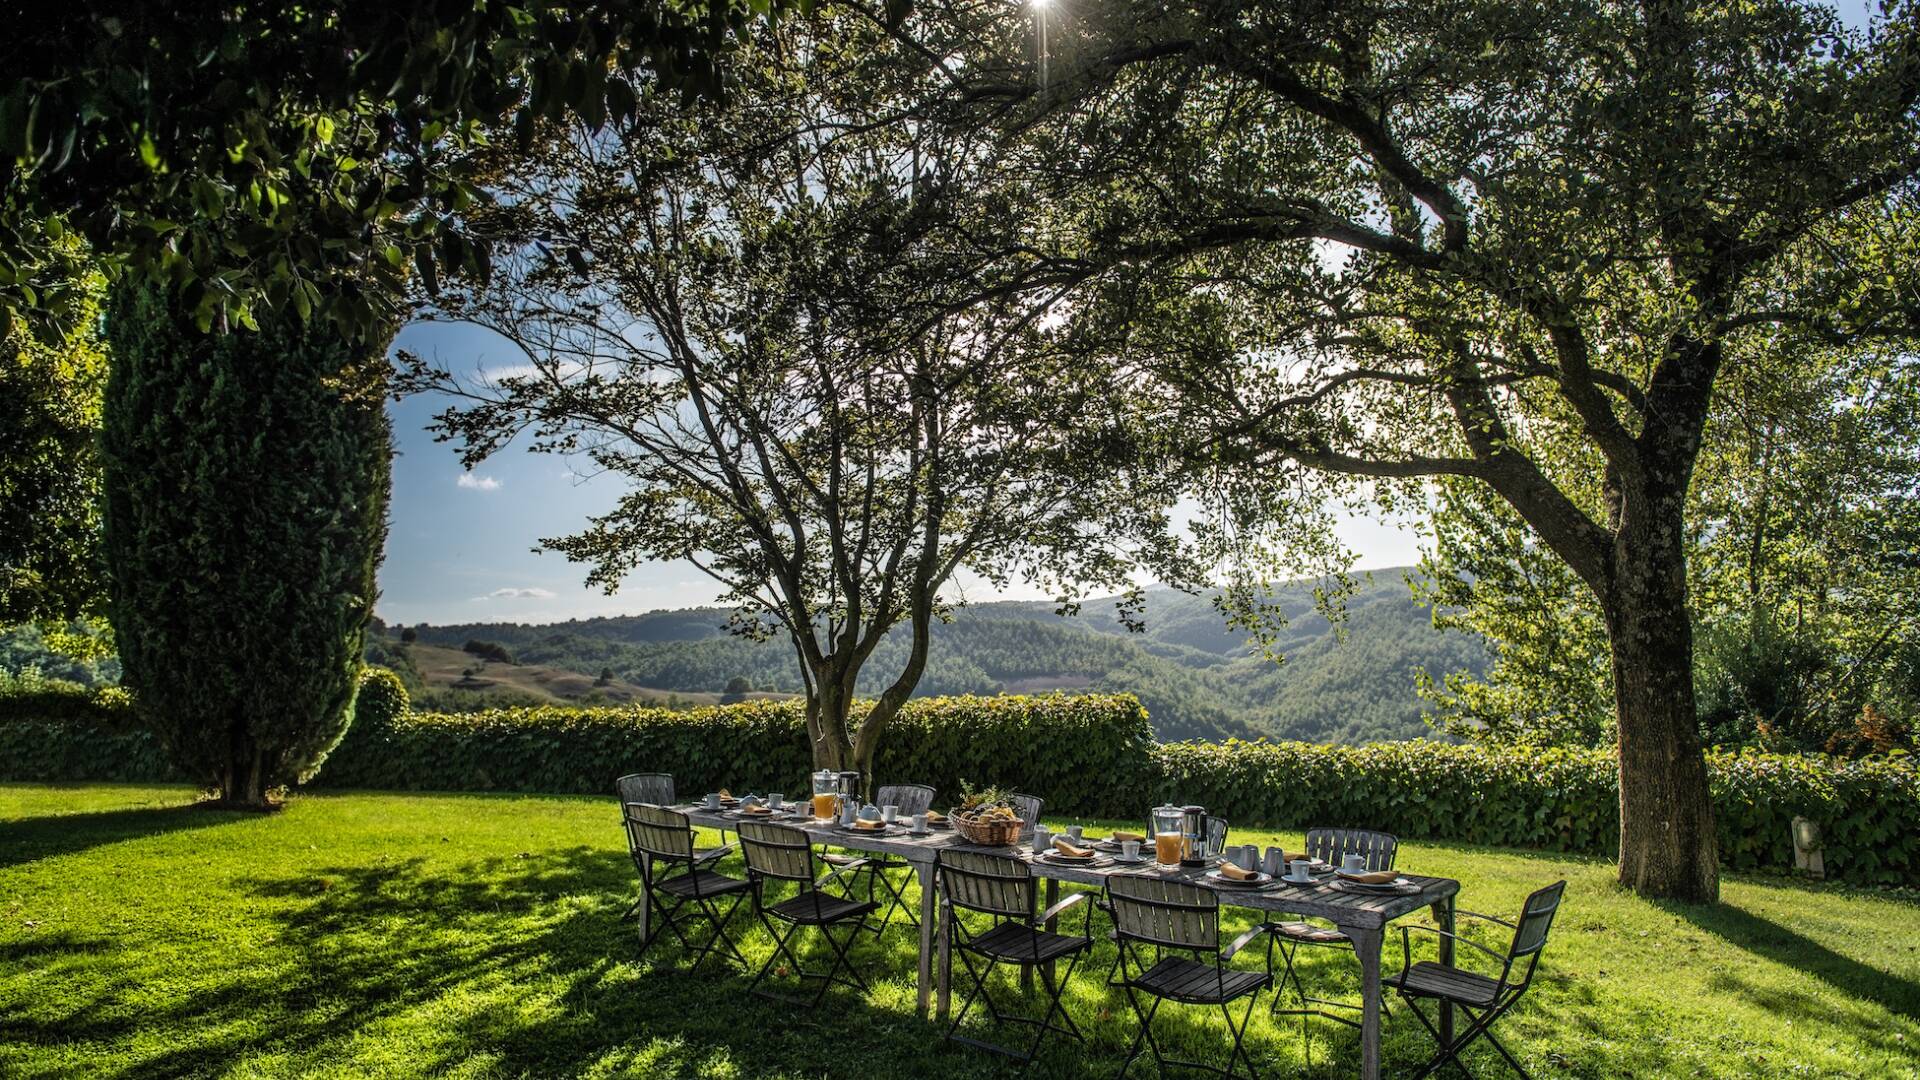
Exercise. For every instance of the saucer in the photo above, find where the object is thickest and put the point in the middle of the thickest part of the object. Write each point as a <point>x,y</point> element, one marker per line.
<point>1136,860</point>
<point>920,832</point>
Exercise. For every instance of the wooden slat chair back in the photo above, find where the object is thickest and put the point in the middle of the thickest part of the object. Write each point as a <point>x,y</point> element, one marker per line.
<point>1536,919</point>
<point>776,851</point>
<point>994,884</point>
<point>1027,808</point>
<point>646,787</point>
<point>910,798</point>
<point>1334,845</point>
<point>658,832</point>
<point>1169,914</point>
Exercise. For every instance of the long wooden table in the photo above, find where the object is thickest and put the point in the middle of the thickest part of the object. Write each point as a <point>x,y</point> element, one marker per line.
<point>1362,917</point>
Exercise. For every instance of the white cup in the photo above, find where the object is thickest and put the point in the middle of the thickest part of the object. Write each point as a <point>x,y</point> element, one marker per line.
<point>888,813</point>
<point>713,800</point>
<point>1300,870</point>
<point>1130,849</point>
<point>776,800</point>
<point>1042,840</point>
<point>920,823</point>
<point>1073,833</point>
<point>1353,862</point>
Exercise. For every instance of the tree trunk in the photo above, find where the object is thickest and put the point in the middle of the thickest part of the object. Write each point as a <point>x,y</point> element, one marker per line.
<point>1667,839</point>
<point>832,745</point>
<point>243,780</point>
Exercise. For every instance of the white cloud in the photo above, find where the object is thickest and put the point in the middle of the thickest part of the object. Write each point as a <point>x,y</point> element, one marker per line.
<point>476,482</point>
<point>516,594</point>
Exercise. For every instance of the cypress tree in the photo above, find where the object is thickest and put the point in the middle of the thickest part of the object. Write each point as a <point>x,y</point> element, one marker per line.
<point>246,483</point>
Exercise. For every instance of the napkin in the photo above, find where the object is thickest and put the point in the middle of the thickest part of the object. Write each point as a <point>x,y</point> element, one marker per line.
<point>1377,877</point>
<point>1061,845</point>
<point>1228,869</point>
<point>1118,836</point>
<point>866,823</point>
<point>935,815</point>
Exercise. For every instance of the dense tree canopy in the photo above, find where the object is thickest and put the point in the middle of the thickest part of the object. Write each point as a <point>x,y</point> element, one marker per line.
<point>1374,246</point>
<point>296,156</point>
<point>726,334</point>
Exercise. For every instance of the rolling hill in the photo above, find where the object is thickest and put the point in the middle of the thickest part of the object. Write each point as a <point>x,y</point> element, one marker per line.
<point>1198,677</point>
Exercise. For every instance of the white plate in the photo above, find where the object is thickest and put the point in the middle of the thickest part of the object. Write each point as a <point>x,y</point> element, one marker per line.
<point>1383,886</point>
<point>1258,878</point>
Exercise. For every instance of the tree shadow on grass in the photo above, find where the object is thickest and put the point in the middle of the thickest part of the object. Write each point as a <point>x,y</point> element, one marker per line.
<point>1783,945</point>
<point>30,839</point>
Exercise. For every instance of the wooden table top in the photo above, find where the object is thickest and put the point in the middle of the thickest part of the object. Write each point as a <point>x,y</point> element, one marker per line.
<point>1324,900</point>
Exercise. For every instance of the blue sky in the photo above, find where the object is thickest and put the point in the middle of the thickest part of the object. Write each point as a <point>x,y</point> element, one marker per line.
<point>460,548</point>
<point>461,545</point>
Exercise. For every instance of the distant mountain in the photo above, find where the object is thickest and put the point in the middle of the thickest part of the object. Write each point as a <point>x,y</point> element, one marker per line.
<point>1198,677</point>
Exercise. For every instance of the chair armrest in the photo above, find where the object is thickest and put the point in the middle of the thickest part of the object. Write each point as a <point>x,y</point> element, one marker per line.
<point>839,870</point>
<point>1457,913</point>
<point>712,854</point>
<point>1054,912</point>
<point>1406,948</point>
<point>1244,940</point>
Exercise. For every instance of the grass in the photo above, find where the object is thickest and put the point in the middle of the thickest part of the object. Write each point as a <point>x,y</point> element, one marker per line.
<point>477,936</point>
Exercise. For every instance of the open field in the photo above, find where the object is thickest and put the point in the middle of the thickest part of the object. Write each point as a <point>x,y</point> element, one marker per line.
<point>444,669</point>
<point>476,936</point>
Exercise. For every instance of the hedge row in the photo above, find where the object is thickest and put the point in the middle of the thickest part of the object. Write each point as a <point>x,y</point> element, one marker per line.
<point>1086,755</point>
<point>1083,754</point>
<point>1563,800</point>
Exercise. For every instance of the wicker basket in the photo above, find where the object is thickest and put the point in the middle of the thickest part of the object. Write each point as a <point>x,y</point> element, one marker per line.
<point>993,832</point>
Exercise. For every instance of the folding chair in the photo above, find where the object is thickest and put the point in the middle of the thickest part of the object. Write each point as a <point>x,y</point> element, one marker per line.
<point>876,869</point>
<point>1333,846</point>
<point>1002,886</point>
<point>1177,916</point>
<point>782,853</point>
<point>661,839</point>
<point>1027,808</point>
<point>653,788</point>
<point>646,787</point>
<point>1483,1000</point>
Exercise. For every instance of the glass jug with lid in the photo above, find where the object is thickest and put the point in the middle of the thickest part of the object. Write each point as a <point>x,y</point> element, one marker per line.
<point>826,794</point>
<point>1169,834</point>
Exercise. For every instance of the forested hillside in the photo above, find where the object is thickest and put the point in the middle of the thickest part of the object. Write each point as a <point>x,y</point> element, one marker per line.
<point>1197,677</point>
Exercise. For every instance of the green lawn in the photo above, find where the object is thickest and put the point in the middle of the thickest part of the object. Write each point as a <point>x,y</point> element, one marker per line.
<point>457,935</point>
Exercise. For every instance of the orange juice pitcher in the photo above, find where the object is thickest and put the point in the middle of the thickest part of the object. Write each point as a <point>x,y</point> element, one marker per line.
<point>1169,835</point>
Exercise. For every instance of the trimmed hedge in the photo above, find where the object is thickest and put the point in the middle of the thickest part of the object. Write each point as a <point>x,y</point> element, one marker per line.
<point>1085,754</point>
<point>1563,800</point>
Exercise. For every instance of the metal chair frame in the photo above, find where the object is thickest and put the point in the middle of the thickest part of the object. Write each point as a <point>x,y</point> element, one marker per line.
<point>1003,887</point>
<point>658,837</point>
<point>1174,915</point>
<point>1529,941</point>
<point>783,853</point>
<point>911,799</point>
<point>1329,845</point>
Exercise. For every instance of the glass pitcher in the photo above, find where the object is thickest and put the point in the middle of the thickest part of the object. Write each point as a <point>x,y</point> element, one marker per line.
<point>826,794</point>
<point>1169,834</point>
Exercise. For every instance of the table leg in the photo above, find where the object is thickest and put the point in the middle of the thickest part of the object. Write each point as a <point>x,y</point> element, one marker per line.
<point>946,960</point>
<point>646,899</point>
<point>928,908</point>
<point>1443,914</point>
<point>1053,897</point>
<point>1366,946</point>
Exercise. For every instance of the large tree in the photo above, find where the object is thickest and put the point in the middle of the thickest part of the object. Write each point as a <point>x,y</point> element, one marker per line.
<point>1506,244</point>
<point>246,492</point>
<point>726,336</point>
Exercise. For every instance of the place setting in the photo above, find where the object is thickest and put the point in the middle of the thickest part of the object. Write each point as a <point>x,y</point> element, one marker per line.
<point>1070,849</point>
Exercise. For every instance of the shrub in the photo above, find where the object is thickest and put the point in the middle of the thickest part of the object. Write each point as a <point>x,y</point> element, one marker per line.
<point>382,698</point>
<point>488,650</point>
<point>246,489</point>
